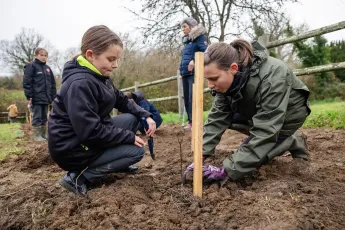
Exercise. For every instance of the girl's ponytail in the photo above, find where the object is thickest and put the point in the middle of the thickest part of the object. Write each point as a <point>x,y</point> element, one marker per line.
<point>245,51</point>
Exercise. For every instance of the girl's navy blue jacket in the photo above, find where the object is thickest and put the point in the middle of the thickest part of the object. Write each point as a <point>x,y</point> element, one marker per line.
<point>79,126</point>
<point>39,83</point>
<point>139,98</point>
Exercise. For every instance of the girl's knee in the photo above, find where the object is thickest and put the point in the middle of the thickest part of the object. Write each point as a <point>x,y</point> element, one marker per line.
<point>131,117</point>
<point>125,121</point>
<point>139,154</point>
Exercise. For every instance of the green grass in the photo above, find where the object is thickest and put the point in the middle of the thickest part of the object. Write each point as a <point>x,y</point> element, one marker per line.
<point>331,100</point>
<point>174,118</point>
<point>7,97</point>
<point>10,135</point>
<point>325,114</point>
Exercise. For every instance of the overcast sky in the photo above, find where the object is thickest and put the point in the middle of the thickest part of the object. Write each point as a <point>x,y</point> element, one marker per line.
<point>63,22</point>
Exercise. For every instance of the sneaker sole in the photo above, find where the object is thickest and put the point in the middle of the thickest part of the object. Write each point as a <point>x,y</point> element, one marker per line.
<point>68,187</point>
<point>131,172</point>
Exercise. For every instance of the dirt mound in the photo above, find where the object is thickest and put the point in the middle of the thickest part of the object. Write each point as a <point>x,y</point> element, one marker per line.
<point>285,194</point>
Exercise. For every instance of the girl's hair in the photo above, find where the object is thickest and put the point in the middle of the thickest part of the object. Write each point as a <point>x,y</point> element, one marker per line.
<point>98,39</point>
<point>239,51</point>
<point>38,50</point>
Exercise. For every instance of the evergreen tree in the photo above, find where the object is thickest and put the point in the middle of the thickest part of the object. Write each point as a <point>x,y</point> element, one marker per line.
<point>314,54</point>
<point>337,54</point>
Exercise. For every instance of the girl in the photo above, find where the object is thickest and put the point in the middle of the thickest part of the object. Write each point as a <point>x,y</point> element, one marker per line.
<point>40,90</point>
<point>83,139</point>
<point>257,95</point>
<point>194,40</point>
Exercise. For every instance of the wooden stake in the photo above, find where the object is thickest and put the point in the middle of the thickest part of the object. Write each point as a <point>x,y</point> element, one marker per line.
<point>136,86</point>
<point>197,129</point>
<point>193,117</point>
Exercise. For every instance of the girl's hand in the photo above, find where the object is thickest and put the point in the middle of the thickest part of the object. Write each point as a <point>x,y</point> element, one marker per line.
<point>191,65</point>
<point>139,142</point>
<point>152,126</point>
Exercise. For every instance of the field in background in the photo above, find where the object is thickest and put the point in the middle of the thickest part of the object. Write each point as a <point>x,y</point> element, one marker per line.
<point>325,114</point>
<point>10,140</point>
<point>7,97</point>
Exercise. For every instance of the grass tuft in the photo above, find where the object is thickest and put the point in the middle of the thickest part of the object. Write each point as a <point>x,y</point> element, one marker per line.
<point>10,138</point>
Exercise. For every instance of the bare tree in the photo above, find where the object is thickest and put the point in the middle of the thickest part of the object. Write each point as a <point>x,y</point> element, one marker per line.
<point>221,18</point>
<point>144,63</point>
<point>57,59</point>
<point>17,53</point>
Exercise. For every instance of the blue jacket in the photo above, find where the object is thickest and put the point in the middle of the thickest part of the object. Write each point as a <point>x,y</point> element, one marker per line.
<point>195,42</point>
<point>139,98</point>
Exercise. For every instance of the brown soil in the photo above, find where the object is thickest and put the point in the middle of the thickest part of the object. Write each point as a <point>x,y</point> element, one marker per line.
<point>285,194</point>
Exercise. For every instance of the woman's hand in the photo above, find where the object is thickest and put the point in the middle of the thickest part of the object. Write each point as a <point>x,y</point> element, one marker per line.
<point>152,126</point>
<point>139,142</point>
<point>191,65</point>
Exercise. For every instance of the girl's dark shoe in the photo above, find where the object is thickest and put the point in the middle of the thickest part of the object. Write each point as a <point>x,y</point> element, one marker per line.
<point>69,182</point>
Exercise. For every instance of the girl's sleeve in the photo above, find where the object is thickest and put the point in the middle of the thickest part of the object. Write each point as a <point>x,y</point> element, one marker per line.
<point>27,82</point>
<point>82,109</point>
<point>124,105</point>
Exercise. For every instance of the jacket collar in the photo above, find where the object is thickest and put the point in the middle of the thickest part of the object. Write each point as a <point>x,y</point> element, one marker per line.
<point>84,62</point>
<point>260,56</point>
<point>39,62</point>
<point>195,32</point>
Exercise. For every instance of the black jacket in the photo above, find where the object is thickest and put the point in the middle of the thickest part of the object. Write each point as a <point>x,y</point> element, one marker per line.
<point>39,83</point>
<point>79,125</point>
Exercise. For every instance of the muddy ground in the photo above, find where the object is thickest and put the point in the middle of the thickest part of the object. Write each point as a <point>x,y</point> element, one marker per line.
<point>285,194</point>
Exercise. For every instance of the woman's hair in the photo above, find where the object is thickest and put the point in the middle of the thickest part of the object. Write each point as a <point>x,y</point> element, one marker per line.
<point>38,50</point>
<point>239,51</point>
<point>98,39</point>
<point>191,22</point>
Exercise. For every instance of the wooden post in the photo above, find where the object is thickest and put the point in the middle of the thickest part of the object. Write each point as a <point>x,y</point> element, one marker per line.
<point>193,117</point>
<point>180,94</point>
<point>197,129</point>
<point>263,40</point>
<point>136,85</point>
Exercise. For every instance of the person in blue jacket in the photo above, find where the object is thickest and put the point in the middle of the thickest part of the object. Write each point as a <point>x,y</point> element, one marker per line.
<point>194,40</point>
<point>139,98</point>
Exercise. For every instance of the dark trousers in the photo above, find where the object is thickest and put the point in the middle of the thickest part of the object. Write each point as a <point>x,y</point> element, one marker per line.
<point>187,82</point>
<point>39,115</point>
<point>118,158</point>
<point>295,143</point>
<point>12,119</point>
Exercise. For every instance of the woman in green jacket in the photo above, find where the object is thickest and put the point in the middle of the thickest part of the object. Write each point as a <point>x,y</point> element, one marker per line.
<point>257,95</point>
